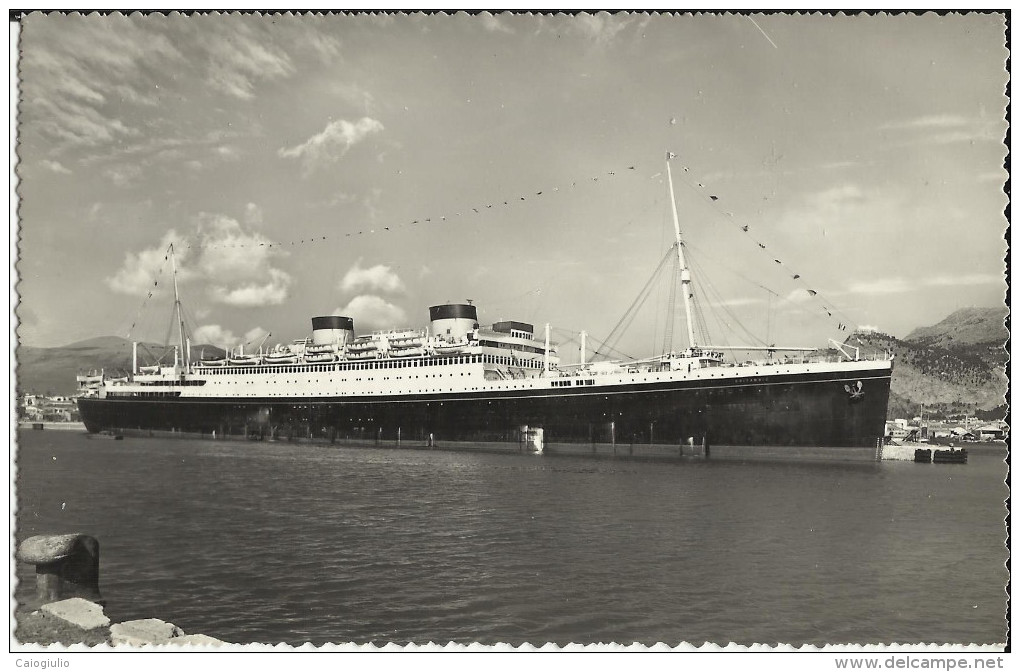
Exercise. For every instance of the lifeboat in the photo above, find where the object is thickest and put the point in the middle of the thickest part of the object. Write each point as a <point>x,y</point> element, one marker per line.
<point>445,348</point>
<point>244,360</point>
<point>212,362</point>
<point>320,357</point>
<point>408,352</point>
<point>364,354</point>
<point>320,348</point>
<point>281,358</point>
<point>148,369</point>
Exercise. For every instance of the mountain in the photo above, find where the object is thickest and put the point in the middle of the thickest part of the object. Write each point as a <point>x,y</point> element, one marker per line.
<point>956,366</point>
<point>965,327</point>
<point>52,371</point>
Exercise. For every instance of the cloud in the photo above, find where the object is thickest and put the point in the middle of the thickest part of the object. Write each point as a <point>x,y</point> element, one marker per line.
<point>272,292</point>
<point>123,176</point>
<point>378,278</point>
<point>96,81</point>
<point>141,270</point>
<point>226,152</point>
<point>944,129</point>
<point>868,328</point>
<point>255,335</point>
<point>798,296</point>
<point>214,334</point>
<point>239,58</point>
<point>79,66</point>
<point>601,28</point>
<point>899,285</point>
<point>237,265</point>
<point>881,286</point>
<point>493,24</point>
<point>234,266</point>
<point>373,311</point>
<point>54,166</point>
<point>928,121</point>
<point>744,301</point>
<point>332,143</point>
<point>252,215</point>
<point>966,279</point>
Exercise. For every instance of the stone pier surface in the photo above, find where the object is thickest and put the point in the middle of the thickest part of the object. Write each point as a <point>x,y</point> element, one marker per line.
<point>79,613</point>
<point>78,621</point>
<point>143,631</point>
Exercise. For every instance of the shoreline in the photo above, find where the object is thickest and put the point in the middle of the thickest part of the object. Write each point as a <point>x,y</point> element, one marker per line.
<point>28,425</point>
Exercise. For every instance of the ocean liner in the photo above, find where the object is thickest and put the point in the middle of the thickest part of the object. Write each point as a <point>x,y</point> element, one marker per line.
<point>457,383</point>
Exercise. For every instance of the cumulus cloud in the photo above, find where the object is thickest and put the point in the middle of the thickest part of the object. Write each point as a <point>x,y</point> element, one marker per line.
<point>373,311</point>
<point>54,166</point>
<point>378,278</point>
<point>234,266</point>
<point>271,292</point>
<point>214,334</point>
<point>237,265</point>
<point>255,335</point>
<point>141,270</point>
<point>332,143</point>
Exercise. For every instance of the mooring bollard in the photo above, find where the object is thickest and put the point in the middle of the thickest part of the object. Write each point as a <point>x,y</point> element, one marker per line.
<point>66,565</point>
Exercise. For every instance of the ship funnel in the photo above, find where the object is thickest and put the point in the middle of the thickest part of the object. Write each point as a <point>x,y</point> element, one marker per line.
<point>330,329</point>
<point>453,321</point>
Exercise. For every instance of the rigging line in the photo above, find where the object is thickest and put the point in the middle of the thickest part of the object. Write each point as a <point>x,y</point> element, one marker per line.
<point>643,293</point>
<point>155,278</point>
<point>571,333</point>
<point>640,298</point>
<point>700,307</point>
<point>629,322</point>
<point>667,339</point>
<point>702,252</point>
<point>665,225</point>
<point>712,201</point>
<point>707,285</point>
<point>422,221</point>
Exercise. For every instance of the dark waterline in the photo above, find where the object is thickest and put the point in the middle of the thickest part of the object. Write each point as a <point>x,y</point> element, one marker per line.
<point>295,543</point>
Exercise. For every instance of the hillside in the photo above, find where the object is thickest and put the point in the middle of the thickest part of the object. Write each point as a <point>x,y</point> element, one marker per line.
<point>52,370</point>
<point>955,366</point>
<point>965,327</point>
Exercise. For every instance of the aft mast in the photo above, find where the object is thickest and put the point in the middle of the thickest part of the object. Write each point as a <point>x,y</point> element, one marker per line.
<point>685,273</point>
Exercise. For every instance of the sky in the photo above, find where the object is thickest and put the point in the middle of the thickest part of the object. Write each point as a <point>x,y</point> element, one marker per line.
<point>830,174</point>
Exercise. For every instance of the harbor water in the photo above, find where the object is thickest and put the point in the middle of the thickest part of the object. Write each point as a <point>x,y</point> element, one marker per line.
<point>279,542</point>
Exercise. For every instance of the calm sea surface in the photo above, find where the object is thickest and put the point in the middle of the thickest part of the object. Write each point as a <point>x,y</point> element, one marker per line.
<point>272,542</point>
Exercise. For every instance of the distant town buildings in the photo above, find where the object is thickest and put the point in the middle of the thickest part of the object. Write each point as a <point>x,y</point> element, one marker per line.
<point>962,428</point>
<point>39,408</point>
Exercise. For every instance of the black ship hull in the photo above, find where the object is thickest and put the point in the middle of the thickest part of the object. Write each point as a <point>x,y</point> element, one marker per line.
<point>815,410</point>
